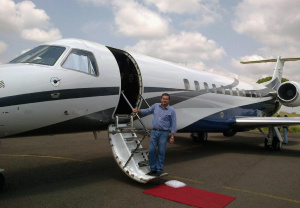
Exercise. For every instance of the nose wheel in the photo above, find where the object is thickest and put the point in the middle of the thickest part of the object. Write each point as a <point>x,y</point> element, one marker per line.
<point>1,179</point>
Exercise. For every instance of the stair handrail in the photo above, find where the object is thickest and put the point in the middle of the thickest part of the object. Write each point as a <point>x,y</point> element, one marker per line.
<point>145,101</point>
<point>147,131</point>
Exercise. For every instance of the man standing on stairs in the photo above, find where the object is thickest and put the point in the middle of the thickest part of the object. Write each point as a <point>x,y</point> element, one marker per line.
<point>164,120</point>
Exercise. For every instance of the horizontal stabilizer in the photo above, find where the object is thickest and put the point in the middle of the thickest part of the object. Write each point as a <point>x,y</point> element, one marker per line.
<point>256,122</point>
<point>269,60</point>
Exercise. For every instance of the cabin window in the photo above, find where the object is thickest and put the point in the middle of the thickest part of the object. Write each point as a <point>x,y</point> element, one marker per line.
<point>248,93</point>
<point>82,61</point>
<point>197,86</point>
<point>259,94</point>
<point>244,93</point>
<point>223,89</point>
<point>186,84</point>
<point>214,88</point>
<point>237,92</point>
<point>206,87</point>
<point>254,94</point>
<point>227,92</point>
<point>44,55</point>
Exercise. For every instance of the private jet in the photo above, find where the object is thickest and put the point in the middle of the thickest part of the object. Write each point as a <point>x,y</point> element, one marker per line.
<point>73,85</point>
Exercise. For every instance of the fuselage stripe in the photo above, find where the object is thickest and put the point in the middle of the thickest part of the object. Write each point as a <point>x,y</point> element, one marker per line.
<point>57,95</point>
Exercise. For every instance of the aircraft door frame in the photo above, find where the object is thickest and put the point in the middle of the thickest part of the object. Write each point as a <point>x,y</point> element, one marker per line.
<point>131,81</point>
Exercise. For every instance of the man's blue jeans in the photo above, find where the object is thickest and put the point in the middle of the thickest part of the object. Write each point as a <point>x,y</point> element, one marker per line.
<point>158,139</point>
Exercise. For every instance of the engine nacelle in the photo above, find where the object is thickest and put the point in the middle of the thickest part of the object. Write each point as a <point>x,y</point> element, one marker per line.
<point>288,94</point>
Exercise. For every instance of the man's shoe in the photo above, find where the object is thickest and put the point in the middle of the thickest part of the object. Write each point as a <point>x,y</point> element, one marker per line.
<point>151,173</point>
<point>158,173</point>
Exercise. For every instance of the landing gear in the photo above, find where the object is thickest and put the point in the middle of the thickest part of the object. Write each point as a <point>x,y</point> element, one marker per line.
<point>276,144</point>
<point>273,140</point>
<point>199,137</point>
<point>229,133</point>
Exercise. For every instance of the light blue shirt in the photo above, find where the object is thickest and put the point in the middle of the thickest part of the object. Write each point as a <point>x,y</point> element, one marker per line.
<point>164,118</point>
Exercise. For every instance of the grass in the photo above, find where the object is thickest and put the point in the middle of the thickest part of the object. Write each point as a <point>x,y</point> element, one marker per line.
<point>292,129</point>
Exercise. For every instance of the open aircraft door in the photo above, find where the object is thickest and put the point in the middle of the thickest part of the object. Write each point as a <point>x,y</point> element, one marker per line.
<point>131,81</point>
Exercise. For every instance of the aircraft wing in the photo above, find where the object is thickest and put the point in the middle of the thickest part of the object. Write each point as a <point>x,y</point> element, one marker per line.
<point>256,122</point>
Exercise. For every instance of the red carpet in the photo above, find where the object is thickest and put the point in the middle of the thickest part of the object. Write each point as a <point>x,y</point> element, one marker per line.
<point>191,196</point>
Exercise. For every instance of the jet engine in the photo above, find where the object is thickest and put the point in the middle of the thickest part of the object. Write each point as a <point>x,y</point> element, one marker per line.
<point>288,94</point>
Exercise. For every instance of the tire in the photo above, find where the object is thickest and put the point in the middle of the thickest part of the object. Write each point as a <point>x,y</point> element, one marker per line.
<point>229,133</point>
<point>1,181</point>
<point>195,136</point>
<point>199,137</point>
<point>276,144</point>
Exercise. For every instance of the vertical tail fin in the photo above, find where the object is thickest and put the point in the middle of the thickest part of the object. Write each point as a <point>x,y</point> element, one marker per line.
<point>277,74</point>
<point>275,82</point>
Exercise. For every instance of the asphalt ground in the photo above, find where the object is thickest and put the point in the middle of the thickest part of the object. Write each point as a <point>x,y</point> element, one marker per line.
<point>74,170</point>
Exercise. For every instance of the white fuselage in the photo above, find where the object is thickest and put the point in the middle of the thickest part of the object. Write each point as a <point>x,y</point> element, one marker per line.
<point>31,104</point>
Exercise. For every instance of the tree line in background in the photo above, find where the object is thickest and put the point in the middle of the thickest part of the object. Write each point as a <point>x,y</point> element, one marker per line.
<point>269,78</point>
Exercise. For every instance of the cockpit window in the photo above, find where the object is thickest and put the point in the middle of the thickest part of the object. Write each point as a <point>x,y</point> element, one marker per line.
<point>82,61</point>
<point>45,55</point>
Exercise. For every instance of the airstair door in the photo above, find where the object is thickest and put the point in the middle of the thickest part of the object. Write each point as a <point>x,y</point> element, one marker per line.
<point>126,145</point>
<point>131,81</point>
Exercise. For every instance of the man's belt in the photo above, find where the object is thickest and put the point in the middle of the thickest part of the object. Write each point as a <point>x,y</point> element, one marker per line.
<point>159,130</point>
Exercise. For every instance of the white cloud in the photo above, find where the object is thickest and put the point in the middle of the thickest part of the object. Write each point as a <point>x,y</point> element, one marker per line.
<point>275,24</point>
<point>253,72</point>
<point>134,20</point>
<point>39,35</point>
<point>272,22</point>
<point>182,48</point>
<point>95,2</point>
<point>178,6</point>
<point>3,47</point>
<point>203,12</point>
<point>24,18</point>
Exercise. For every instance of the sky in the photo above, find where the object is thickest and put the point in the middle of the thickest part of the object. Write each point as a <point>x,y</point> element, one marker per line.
<point>208,35</point>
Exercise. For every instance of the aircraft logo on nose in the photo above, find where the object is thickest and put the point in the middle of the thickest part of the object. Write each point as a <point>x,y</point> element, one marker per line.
<point>55,81</point>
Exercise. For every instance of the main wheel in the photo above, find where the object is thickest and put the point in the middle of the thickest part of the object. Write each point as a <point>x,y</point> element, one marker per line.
<point>199,136</point>
<point>195,137</point>
<point>229,133</point>
<point>1,181</point>
<point>276,144</point>
<point>267,147</point>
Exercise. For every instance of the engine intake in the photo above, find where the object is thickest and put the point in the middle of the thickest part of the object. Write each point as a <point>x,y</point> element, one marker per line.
<point>288,94</point>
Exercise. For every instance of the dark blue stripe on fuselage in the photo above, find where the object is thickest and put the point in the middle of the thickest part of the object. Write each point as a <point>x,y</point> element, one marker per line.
<point>215,123</point>
<point>63,94</point>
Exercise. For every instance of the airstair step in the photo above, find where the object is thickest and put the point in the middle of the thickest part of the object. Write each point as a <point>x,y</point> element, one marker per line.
<point>123,118</point>
<point>140,150</point>
<point>129,139</point>
<point>130,130</point>
<point>143,163</point>
<point>127,128</point>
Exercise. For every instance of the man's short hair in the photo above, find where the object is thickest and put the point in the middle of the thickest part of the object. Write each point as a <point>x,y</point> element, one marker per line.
<point>165,94</point>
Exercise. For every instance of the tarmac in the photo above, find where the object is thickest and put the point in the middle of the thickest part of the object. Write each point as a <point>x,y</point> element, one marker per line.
<point>74,170</point>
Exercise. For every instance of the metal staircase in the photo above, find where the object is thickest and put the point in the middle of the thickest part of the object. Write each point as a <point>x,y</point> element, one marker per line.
<point>125,141</point>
